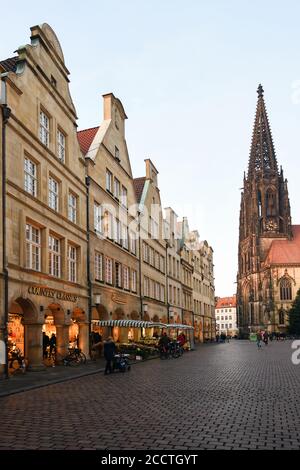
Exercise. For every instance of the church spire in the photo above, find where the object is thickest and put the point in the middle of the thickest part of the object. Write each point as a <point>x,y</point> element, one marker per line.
<point>262,154</point>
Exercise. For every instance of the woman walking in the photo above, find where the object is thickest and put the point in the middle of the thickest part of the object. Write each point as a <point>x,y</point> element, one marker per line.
<point>109,352</point>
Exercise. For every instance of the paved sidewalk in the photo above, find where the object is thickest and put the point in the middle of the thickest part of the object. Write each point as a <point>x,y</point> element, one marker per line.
<point>52,375</point>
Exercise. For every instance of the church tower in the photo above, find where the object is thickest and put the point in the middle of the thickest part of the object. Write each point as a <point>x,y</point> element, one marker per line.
<point>264,217</point>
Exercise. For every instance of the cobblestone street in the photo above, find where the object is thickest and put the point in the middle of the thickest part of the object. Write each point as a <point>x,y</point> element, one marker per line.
<point>221,396</point>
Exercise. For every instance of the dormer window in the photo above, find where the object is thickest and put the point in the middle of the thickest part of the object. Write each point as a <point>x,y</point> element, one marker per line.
<point>117,154</point>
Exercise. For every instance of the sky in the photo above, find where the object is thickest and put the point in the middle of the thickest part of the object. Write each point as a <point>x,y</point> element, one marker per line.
<point>187,74</point>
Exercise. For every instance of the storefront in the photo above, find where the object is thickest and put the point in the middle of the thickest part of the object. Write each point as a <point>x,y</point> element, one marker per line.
<point>50,312</point>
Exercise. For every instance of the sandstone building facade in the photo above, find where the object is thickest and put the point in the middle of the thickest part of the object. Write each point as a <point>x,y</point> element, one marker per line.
<point>82,240</point>
<point>46,242</point>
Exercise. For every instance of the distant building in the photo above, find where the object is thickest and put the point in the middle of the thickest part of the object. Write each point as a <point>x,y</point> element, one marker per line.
<point>226,317</point>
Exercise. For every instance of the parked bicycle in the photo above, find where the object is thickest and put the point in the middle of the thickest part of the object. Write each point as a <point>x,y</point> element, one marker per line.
<point>75,357</point>
<point>16,361</point>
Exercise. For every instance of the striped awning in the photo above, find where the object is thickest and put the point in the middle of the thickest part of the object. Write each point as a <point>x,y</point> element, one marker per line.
<point>129,323</point>
<point>178,326</point>
<point>140,324</point>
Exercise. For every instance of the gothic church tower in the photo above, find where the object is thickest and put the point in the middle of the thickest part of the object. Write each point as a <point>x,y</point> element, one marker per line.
<point>264,217</point>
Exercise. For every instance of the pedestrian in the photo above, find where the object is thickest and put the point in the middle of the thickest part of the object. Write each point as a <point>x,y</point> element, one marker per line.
<point>52,343</point>
<point>109,352</point>
<point>46,343</point>
<point>258,339</point>
<point>266,338</point>
<point>217,337</point>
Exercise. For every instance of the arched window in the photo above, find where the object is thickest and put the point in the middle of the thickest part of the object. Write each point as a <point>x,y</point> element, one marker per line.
<point>270,203</point>
<point>285,289</point>
<point>281,317</point>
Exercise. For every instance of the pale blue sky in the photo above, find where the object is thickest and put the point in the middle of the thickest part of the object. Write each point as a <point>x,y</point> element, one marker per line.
<point>187,74</point>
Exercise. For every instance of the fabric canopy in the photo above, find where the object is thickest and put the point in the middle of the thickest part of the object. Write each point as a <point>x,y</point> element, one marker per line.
<point>140,324</point>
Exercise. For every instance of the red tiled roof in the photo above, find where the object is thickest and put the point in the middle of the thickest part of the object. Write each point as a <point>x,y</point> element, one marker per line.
<point>138,184</point>
<point>226,302</point>
<point>9,65</point>
<point>285,251</point>
<point>86,137</point>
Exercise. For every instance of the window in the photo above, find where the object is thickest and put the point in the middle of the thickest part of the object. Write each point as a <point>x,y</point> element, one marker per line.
<point>109,228</point>
<point>108,181</point>
<point>222,326</point>
<point>61,146</point>
<point>125,236</point>
<point>44,128</point>
<point>157,291</point>
<point>145,252</point>
<point>118,275</point>
<point>162,293</point>
<point>118,231</point>
<point>97,217</point>
<point>30,173</point>
<point>124,197</point>
<point>117,154</point>
<point>285,289</point>
<point>133,280</point>
<point>230,317</point>
<point>108,270</point>
<point>33,248</point>
<point>230,326</point>
<point>153,228</point>
<point>157,260</point>
<point>98,266</point>
<point>162,264</point>
<point>281,317</point>
<point>132,243</point>
<point>222,318</point>
<point>72,263</point>
<point>117,188</point>
<point>126,277</point>
<point>54,257</point>
<point>151,256</point>
<point>72,208</point>
<point>146,286</point>
<point>53,194</point>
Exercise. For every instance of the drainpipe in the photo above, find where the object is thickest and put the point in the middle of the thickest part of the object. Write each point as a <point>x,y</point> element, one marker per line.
<point>6,111</point>
<point>140,263</point>
<point>167,282</point>
<point>88,258</point>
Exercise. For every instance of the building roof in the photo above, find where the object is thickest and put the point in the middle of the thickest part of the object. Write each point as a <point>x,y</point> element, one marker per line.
<point>285,251</point>
<point>86,137</point>
<point>9,65</point>
<point>225,302</point>
<point>138,184</point>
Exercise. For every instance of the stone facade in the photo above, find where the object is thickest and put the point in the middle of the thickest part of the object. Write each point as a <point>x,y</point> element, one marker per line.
<point>46,240</point>
<point>153,247</point>
<point>114,247</point>
<point>85,240</point>
<point>174,292</point>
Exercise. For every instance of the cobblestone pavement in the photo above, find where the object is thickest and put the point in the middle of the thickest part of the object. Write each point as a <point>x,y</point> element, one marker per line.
<point>221,396</point>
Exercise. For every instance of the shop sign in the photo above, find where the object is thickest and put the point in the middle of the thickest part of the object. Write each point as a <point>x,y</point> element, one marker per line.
<point>118,299</point>
<point>52,293</point>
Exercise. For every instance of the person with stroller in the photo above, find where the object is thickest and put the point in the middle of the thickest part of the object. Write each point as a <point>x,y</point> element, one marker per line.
<point>109,352</point>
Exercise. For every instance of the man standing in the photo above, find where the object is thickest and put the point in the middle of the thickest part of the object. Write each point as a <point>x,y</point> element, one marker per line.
<point>109,352</point>
<point>258,339</point>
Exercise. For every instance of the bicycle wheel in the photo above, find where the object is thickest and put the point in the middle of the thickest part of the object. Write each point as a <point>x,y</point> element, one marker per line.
<point>82,357</point>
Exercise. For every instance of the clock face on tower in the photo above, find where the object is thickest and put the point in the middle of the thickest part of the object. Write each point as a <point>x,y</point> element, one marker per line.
<point>271,225</point>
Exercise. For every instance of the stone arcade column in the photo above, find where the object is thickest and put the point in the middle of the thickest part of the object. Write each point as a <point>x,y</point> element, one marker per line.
<point>62,340</point>
<point>34,346</point>
<point>84,331</point>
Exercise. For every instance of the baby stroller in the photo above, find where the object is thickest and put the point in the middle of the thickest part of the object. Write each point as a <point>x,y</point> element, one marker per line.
<point>121,362</point>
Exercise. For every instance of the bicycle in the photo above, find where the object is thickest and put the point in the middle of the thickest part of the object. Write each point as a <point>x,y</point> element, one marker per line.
<point>16,361</point>
<point>75,357</point>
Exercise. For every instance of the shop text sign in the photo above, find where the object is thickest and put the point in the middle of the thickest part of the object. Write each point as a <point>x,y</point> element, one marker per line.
<point>52,293</point>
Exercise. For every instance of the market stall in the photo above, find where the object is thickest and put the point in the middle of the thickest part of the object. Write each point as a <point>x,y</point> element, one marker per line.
<point>177,327</point>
